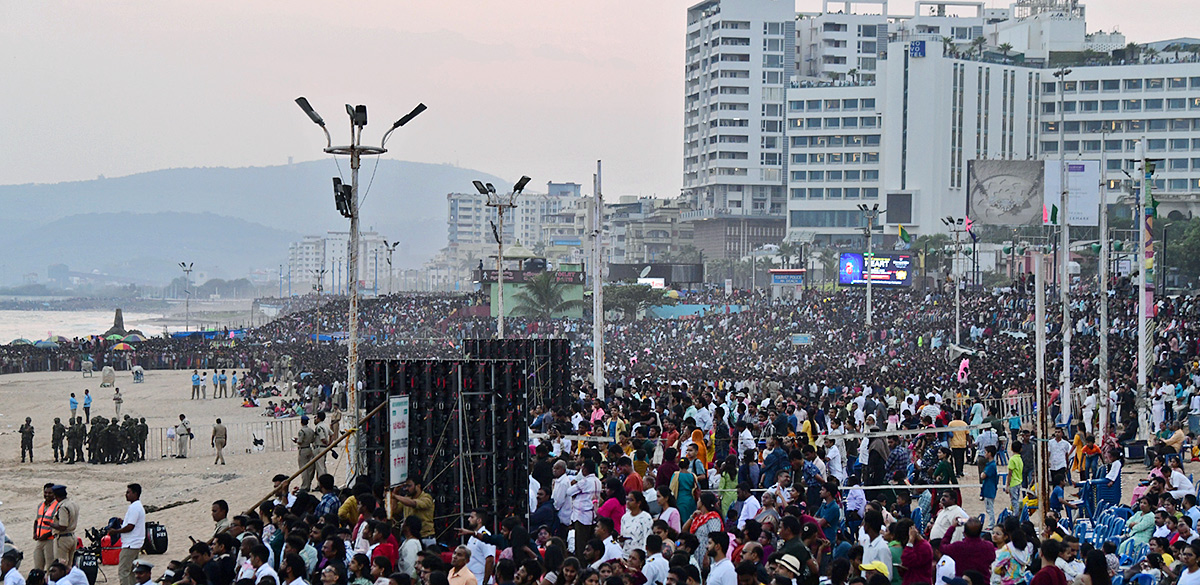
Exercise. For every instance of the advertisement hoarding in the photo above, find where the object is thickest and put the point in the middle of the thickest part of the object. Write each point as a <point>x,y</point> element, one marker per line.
<point>882,269</point>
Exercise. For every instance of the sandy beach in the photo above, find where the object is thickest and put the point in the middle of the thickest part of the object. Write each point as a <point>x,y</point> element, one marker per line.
<point>99,489</point>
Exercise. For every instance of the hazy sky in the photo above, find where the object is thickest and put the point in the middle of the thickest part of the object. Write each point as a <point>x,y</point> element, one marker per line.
<point>537,87</point>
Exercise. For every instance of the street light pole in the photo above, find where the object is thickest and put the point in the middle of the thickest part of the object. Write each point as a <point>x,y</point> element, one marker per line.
<point>390,248</point>
<point>956,227</point>
<point>187,295</point>
<point>1064,288</point>
<point>502,203</point>
<point>320,274</point>
<point>871,213</point>
<point>347,200</point>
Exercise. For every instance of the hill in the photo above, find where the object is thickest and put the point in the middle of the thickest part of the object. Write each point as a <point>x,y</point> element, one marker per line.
<point>405,202</point>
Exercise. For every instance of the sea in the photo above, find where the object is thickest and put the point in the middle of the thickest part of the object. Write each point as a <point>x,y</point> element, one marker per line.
<point>35,325</point>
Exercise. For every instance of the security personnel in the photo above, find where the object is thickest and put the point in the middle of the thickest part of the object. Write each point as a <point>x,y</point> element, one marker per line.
<point>305,439</point>
<point>66,518</point>
<point>143,432</point>
<point>27,439</point>
<point>219,436</point>
<point>323,438</point>
<point>56,441</point>
<point>43,534</point>
<point>78,436</point>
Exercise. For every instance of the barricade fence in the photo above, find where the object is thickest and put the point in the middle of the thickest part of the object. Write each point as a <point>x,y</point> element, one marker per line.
<point>275,434</point>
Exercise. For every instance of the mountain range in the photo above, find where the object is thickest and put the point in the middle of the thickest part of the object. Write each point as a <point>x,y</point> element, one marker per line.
<point>227,221</point>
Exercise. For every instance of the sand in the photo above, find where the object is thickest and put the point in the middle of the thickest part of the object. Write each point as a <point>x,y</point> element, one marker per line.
<point>99,489</point>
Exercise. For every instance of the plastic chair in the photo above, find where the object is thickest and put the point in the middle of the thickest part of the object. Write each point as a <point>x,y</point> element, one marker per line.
<point>1126,547</point>
<point>1141,579</point>
<point>1118,579</point>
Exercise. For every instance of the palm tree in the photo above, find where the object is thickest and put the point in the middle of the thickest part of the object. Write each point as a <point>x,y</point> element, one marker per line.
<point>1132,50</point>
<point>947,44</point>
<point>1005,49</point>
<point>542,298</point>
<point>1151,53</point>
<point>853,73</point>
<point>978,44</point>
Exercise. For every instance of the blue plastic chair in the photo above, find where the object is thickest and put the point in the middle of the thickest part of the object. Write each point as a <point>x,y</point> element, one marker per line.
<point>1126,547</point>
<point>1118,579</point>
<point>1141,579</point>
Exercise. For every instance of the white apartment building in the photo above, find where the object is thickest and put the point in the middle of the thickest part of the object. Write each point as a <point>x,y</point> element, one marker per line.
<point>330,252</point>
<point>739,56</point>
<point>469,220</point>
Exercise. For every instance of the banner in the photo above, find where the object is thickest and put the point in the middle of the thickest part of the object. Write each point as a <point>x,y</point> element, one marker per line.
<point>1083,185</point>
<point>1005,192</point>
<point>398,438</point>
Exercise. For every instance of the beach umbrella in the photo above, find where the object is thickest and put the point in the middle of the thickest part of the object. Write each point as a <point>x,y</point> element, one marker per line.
<point>57,339</point>
<point>46,344</point>
<point>21,341</point>
<point>114,337</point>
<point>134,338</point>
<point>122,347</point>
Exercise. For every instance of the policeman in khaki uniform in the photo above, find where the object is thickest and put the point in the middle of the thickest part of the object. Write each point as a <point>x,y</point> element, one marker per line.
<point>323,439</point>
<point>305,440</point>
<point>66,518</point>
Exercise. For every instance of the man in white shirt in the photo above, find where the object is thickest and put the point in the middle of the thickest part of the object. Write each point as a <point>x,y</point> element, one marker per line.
<point>750,505</point>
<point>58,574</point>
<point>8,566</point>
<point>483,554</point>
<point>562,502</point>
<point>946,568</point>
<point>952,515</point>
<point>722,571</point>
<point>746,440</point>
<point>132,533</point>
<point>835,460</point>
<point>259,557</point>
<point>1066,559</point>
<point>1059,450</point>
<point>876,548</point>
<point>781,489</point>
<point>1089,409</point>
<point>656,567</point>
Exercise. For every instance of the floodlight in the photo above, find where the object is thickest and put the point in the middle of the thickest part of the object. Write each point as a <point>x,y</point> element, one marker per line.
<point>308,109</point>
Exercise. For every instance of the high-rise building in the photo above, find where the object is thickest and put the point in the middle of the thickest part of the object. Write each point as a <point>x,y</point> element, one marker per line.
<point>739,57</point>
<point>310,255</point>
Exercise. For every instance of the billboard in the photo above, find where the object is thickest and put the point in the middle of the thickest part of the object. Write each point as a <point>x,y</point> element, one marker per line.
<point>1005,192</point>
<point>882,269</point>
<point>1083,184</point>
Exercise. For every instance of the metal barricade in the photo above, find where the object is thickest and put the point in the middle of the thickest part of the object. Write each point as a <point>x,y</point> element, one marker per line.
<point>275,434</point>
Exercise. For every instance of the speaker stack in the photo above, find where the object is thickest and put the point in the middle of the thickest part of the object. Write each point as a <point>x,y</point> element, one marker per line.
<point>548,363</point>
<point>468,433</point>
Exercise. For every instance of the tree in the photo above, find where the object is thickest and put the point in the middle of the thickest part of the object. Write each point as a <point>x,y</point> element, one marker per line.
<point>542,298</point>
<point>632,299</point>
<point>978,44</point>
<point>790,253</point>
<point>686,253</point>
<point>1005,49</point>
<point>1132,50</point>
<point>853,73</point>
<point>947,46</point>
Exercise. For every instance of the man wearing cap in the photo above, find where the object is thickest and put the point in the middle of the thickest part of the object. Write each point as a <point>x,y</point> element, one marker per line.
<point>219,436</point>
<point>305,440</point>
<point>8,566</point>
<point>59,574</point>
<point>66,517</point>
<point>183,434</point>
<point>132,533</point>
<point>788,567</point>
<point>141,572</point>
<point>26,431</point>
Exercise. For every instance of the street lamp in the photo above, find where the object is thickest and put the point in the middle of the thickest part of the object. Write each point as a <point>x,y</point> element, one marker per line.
<point>390,248</point>
<point>1064,289</point>
<point>956,225</point>
<point>347,202</point>
<point>502,203</point>
<point>187,295</point>
<point>871,212</point>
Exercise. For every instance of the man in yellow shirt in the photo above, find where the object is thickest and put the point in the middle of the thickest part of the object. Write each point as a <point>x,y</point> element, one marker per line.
<point>959,441</point>
<point>1016,471</point>
<point>409,499</point>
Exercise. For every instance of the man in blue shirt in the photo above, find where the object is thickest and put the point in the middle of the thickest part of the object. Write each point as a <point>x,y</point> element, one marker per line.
<point>829,515</point>
<point>195,384</point>
<point>74,405</point>
<point>87,406</point>
<point>812,479</point>
<point>990,479</point>
<point>775,461</point>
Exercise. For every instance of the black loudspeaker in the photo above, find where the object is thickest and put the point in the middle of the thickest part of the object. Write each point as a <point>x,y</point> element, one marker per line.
<point>548,365</point>
<point>468,433</point>
<point>89,564</point>
<point>156,539</point>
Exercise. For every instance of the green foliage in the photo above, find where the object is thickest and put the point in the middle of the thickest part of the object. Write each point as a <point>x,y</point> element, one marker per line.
<point>632,299</point>
<point>542,298</point>
<point>1183,248</point>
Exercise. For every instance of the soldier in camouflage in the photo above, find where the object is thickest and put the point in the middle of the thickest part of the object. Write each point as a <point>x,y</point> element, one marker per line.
<point>56,440</point>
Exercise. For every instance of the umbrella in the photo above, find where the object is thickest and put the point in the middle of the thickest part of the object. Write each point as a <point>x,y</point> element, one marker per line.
<point>46,344</point>
<point>114,337</point>
<point>21,341</point>
<point>134,337</point>
<point>122,347</point>
<point>57,339</point>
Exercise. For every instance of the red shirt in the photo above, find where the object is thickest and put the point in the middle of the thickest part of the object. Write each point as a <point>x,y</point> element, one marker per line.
<point>633,483</point>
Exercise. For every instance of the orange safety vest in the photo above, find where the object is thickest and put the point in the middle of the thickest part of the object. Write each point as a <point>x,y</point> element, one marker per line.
<point>41,526</point>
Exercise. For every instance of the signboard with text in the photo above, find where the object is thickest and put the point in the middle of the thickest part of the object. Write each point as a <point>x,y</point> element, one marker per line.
<point>398,438</point>
<point>883,269</point>
<point>518,276</point>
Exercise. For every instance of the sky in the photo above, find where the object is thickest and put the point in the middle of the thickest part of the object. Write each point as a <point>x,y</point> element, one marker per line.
<point>543,88</point>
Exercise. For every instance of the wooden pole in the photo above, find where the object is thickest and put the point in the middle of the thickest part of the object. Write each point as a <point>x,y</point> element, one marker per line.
<point>316,457</point>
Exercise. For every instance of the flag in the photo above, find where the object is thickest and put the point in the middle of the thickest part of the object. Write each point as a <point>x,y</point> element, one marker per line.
<point>968,223</point>
<point>1053,215</point>
<point>904,235</point>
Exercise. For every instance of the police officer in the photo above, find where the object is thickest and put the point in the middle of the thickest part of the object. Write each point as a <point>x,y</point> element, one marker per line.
<point>56,441</point>
<point>27,439</point>
<point>79,437</point>
<point>143,432</point>
<point>323,439</point>
<point>219,436</point>
<point>66,519</point>
<point>305,440</point>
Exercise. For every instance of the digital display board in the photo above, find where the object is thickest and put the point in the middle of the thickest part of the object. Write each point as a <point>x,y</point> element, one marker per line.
<point>885,269</point>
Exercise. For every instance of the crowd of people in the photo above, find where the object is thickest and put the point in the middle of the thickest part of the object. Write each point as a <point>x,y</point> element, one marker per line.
<point>721,453</point>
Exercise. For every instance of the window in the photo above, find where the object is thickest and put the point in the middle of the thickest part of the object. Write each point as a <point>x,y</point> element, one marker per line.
<point>871,140</point>
<point>1049,127</point>
<point>1049,87</point>
<point>1177,164</point>
<point>1093,126</point>
<point>1112,146</point>
<point>816,175</point>
<point>775,45</point>
<point>796,106</point>
<point>1156,125</point>
<point>871,175</point>
<point>871,157</point>
<point>851,192</point>
<point>870,193</point>
<point>1133,85</point>
<point>867,30</point>
<point>853,175</point>
<point>1177,83</point>
<point>773,28</point>
<point>1155,84</point>
<point>812,123</point>
<point>868,47</point>
<point>799,159</point>
<point>1068,106</point>
<point>1071,126</point>
<point>1049,146</point>
<point>849,122</point>
<point>816,158</point>
<point>1156,144</point>
<point>836,140</point>
<point>869,122</point>
<point>730,155</point>
<point>1196,144</point>
<point>1154,105</point>
<point>835,158</point>
<point>1113,164</point>
<point>1179,144</point>
<point>1089,106</point>
<point>1194,103</point>
<point>850,104</point>
<point>854,140</point>
<point>1048,107</point>
<point>833,122</point>
<point>833,193</point>
<point>1180,124</point>
<point>736,57</point>
<point>1111,85</point>
<point>735,41</point>
<point>1091,146</point>
<point>868,103</point>
<point>1196,164</point>
<point>772,61</point>
<point>797,193</point>
<point>798,176</point>
<point>1136,125</point>
<point>734,139</point>
<point>816,193</point>
<point>833,176</point>
<point>1110,105</point>
<point>1090,86</point>
<point>1177,184</point>
<point>1070,146</point>
<point>735,107</point>
<point>813,105</point>
<point>1131,105</point>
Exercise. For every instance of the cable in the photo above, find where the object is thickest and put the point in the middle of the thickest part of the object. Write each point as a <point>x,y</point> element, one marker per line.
<point>370,182</point>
